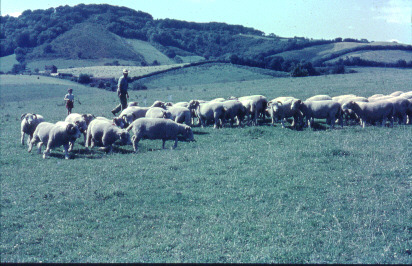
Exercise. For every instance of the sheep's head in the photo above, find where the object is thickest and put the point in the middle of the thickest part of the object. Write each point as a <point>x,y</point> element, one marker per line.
<point>189,134</point>
<point>88,118</point>
<point>73,131</point>
<point>124,137</point>
<point>295,104</point>
<point>119,122</point>
<point>168,104</point>
<point>158,104</point>
<point>348,105</point>
<point>82,125</point>
<point>30,118</point>
<point>193,104</point>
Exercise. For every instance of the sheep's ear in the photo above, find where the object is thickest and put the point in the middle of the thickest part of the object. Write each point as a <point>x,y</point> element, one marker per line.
<point>23,116</point>
<point>35,116</point>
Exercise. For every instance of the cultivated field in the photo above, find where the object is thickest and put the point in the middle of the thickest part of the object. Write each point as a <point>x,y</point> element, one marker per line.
<point>252,194</point>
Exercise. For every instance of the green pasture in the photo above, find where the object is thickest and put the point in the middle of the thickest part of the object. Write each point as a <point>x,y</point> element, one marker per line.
<point>252,195</point>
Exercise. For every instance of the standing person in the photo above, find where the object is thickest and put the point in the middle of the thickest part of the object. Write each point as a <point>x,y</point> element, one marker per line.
<point>69,98</point>
<point>122,86</point>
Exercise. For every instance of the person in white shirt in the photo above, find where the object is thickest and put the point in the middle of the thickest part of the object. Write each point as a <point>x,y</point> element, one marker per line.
<point>69,98</point>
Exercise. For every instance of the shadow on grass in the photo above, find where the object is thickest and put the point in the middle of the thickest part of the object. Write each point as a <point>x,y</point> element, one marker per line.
<point>200,133</point>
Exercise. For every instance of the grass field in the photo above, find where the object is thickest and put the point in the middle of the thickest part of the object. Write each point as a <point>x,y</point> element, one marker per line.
<point>251,195</point>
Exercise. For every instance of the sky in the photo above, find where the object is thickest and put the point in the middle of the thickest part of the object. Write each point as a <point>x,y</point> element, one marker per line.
<point>375,20</point>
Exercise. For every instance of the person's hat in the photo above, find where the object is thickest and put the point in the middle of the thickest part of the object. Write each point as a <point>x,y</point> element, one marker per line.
<point>125,71</point>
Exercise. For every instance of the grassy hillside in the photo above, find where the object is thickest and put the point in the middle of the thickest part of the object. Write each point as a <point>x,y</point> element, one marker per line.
<point>252,195</point>
<point>328,51</point>
<point>7,62</point>
<point>378,56</point>
<point>88,41</point>
<point>149,52</point>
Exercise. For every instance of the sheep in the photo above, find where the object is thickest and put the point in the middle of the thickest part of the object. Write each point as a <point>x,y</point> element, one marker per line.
<point>348,114</point>
<point>322,97</point>
<point>407,95</point>
<point>234,109</point>
<point>115,121</point>
<point>180,114</point>
<point>158,128</point>
<point>133,104</point>
<point>371,111</point>
<point>396,93</point>
<point>134,112</point>
<point>29,123</point>
<point>55,135</point>
<point>319,109</point>
<point>401,107</point>
<point>340,97</point>
<point>83,121</point>
<point>209,111</point>
<point>381,98</point>
<point>218,100</point>
<point>282,110</point>
<point>256,104</point>
<point>157,112</point>
<point>105,133</point>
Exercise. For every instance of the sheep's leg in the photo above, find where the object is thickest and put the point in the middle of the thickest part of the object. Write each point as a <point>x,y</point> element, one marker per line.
<point>135,141</point>
<point>66,151</point>
<point>71,144</point>
<point>282,120</point>
<point>175,145</point>
<point>39,147</point>
<point>22,138</point>
<point>46,152</point>
<point>163,145</point>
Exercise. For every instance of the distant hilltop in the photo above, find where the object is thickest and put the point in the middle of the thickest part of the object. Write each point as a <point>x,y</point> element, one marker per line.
<point>86,35</point>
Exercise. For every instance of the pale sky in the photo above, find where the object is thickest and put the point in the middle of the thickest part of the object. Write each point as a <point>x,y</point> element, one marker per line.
<point>375,20</point>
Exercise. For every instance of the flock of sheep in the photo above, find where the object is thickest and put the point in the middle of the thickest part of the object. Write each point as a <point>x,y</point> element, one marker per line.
<point>167,121</point>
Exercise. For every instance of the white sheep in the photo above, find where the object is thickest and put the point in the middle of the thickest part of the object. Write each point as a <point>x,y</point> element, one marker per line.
<point>105,133</point>
<point>256,104</point>
<point>234,109</point>
<point>29,123</point>
<point>371,111</point>
<point>282,110</point>
<point>208,112</point>
<point>407,95</point>
<point>115,121</point>
<point>157,112</point>
<point>328,109</point>
<point>158,128</point>
<point>180,114</point>
<point>396,93</point>
<point>401,107</point>
<point>55,135</point>
<point>321,97</point>
<point>82,121</point>
<point>134,112</point>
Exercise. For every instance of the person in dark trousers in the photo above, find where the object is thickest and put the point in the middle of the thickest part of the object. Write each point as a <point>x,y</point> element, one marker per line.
<point>69,98</point>
<point>122,87</point>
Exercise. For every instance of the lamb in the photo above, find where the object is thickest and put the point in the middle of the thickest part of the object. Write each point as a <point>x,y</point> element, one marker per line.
<point>282,110</point>
<point>29,123</point>
<point>340,97</point>
<point>157,112</point>
<point>319,109</point>
<point>55,135</point>
<point>375,111</point>
<point>322,97</point>
<point>207,112</point>
<point>401,107</point>
<point>348,114</point>
<point>407,95</point>
<point>396,93</point>
<point>115,121</point>
<point>158,128</point>
<point>180,114</point>
<point>105,133</point>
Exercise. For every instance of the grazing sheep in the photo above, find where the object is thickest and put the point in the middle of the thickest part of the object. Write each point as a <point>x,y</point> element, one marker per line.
<point>396,93</point>
<point>256,104</point>
<point>348,114</point>
<point>282,110</point>
<point>381,98</point>
<point>208,112</point>
<point>401,107</point>
<point>328,109</point>
<point>158,128</point>
<point>134,112</point>
<point>55,135</point>
<point>180,114</point>
<point>376,96</point>
<point>407,95</point>
<point>234,109</point>
<point>218,100</point>
<point>115,121</point>
<point>105,133</point>
<point>82,121</point>
<point>371,111</point>
<point>340,97</point>
<point>181,104</point>
<point>29,123</point>
<point>319,98</point>
<point>157,112</point>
